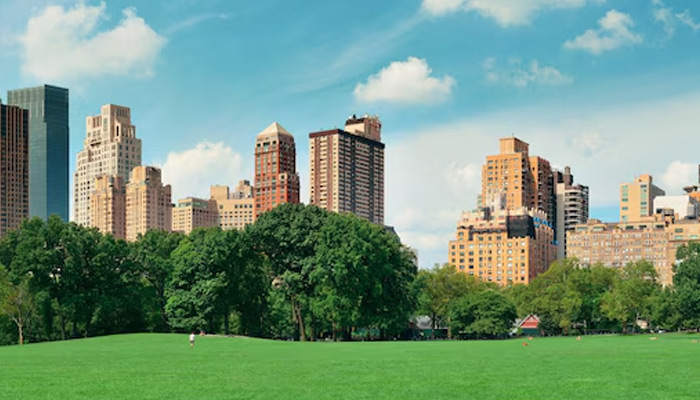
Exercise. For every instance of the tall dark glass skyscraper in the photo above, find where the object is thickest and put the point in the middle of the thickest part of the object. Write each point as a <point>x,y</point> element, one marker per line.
<point>48,148</point>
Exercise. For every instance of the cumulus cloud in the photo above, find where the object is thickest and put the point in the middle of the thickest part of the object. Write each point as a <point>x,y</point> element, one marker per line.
<point>504,12</point>
<point>408,82</point>
<point>677,175</point>
<point>614,32</point>
<point>66,44</point>
<point>519,75</point>
<point>191,172</point>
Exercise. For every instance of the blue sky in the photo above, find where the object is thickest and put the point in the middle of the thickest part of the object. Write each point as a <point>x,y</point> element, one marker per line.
<point>610,88</point>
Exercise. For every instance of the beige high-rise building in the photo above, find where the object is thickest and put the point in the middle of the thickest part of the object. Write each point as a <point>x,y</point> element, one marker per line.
<point>108,205</point>
<point>235,209</point>
<point>148,203</point>
<point>637,198</point>
<point>14,167</point>
<point>110,148</point>
<point>653,238</point>
<point>508,175</point>
<point>503,246</point>
<point>511,237</point>
<point>347,168</point>
<point>192,213</point>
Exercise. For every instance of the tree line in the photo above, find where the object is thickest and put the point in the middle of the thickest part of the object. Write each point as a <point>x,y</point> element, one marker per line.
<point>567,299</point>
<point>299,272</point>
<point>302,273</point>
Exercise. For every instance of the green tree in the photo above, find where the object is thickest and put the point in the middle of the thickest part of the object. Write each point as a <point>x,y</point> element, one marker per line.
<point>483,314</point>
<point>591,283</point>
<point>665,310</point>
<point>152,254</point>
<point>631,296</point>
<point>686,282</point>
<point>199,284</point>
<point>287,237</point>
<point>554,299</point>
<point>16,301</point>
<point>439,288</point>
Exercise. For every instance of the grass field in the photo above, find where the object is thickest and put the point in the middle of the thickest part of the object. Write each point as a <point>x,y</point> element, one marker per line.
<point>158,366</point>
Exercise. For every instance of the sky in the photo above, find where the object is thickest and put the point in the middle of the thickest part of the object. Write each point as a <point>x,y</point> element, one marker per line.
<point>608,87</point>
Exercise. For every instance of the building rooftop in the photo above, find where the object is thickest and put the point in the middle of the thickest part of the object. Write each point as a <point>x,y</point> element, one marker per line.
<point>274,129</point>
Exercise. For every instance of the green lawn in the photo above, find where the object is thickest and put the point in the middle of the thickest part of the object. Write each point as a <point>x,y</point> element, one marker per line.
<point>157,366</point>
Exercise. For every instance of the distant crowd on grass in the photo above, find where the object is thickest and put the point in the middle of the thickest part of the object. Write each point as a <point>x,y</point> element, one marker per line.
<point>302,273</point>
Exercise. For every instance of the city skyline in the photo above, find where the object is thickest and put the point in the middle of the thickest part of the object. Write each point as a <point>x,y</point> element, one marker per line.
<point>611,93</point>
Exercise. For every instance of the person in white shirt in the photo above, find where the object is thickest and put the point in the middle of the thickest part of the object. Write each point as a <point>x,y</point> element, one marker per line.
<point>192,340</point>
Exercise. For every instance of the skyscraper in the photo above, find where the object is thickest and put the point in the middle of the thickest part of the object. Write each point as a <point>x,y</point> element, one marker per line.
<point>510,238</point>
<point>148,203</point>
<point>508,175</point>
<point>14,168</point>
<point>572,207</point>
<point>48,148</point>
<point>637,198</point>
<point>347,168</point>
<point>110,148</point>
<point>276,178</point>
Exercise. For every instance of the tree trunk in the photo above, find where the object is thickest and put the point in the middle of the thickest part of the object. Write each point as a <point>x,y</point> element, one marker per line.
<point>449,328</point>
<point>312,329</point>
<point>20,327</point>
<point>63,327</point>
<point>433,324</point>
<point>296,310</point>
<point>226,322</point>
<point>164,321</point>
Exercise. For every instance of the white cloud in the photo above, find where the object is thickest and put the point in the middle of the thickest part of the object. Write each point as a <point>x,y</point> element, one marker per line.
<point>66,44</point>
<point>614,32</point>
<point>191,172</point>
<point>665,15</point>
<point>521,76</point>
<point>591,145</point>
<point>688,20</point>
<point>678,175</point>
<point>504,12</point>
<point>408,82</point>
<point>193,21</point>
<point>424,199</point>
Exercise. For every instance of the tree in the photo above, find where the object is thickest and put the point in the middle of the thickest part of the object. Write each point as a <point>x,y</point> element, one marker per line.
<point>554,300</point>
<point>686,282</point>
<point>665,310</point>
<point>287,237</point>
<point>483,314</point>
<point>16,301</point>
<point>591,283</point>
<point>152,254</point>
<point>631,296</point>
<point>198,286</point>
<point>439,288</point>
